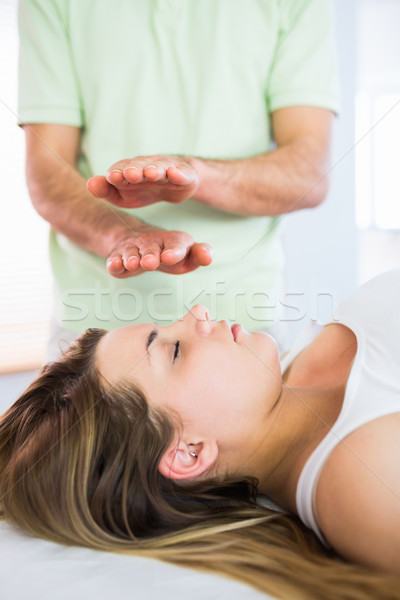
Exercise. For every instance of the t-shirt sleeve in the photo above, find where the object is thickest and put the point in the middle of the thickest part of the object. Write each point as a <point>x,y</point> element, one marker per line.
<point>48,86</point>
<point>304,70</point>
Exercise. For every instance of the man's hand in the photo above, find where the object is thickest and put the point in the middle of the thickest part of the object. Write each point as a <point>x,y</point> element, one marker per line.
<point>151,248</point>
<point>136,182</point>
<point>292,176</point>
<point>129,245</point>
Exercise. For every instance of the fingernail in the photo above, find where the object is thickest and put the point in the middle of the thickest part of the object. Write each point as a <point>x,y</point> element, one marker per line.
<point>133,257</point>
<point>110,262</point>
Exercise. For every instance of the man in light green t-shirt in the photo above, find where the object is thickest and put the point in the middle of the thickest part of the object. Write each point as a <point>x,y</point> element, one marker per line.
<point>211,119</point>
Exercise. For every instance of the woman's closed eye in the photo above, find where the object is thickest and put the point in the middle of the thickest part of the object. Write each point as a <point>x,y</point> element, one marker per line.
<point>176,350</point>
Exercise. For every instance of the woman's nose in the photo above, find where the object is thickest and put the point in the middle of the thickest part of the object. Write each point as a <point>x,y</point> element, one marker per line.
<point>201,316</point>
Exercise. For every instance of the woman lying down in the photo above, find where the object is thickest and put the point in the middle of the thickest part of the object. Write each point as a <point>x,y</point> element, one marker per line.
<point>160,442</point>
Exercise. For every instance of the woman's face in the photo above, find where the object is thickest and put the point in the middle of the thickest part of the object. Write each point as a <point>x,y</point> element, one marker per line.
<point>222,381</point>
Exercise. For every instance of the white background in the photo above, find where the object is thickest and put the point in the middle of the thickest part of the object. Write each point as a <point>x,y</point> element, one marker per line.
<point>327,255</point>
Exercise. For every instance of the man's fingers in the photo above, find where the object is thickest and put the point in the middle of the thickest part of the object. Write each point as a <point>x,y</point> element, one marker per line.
<point>168,251</point>
<point>99,187</point>
<point>181,174</point>
<point>115,265</point>
<point>151,168</point>
<point>120,165</point>
<point>116,177</point>
<point>173,254</point>
<point>131,260</point>
<point>150,262</point>
<point>202,254</point>
<point>190,255</point>
<point>133,174</point>
<point>149,252</point>
<point>155,172</point>
<point>124,172</point>
<point>142,170</point>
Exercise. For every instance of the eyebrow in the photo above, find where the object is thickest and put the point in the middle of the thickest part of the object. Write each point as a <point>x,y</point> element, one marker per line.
<point>151,337</point>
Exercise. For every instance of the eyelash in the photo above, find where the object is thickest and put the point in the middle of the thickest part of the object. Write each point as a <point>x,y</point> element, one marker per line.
<point>176,351</point>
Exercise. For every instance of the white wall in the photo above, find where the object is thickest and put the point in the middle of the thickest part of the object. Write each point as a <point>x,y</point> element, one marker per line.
<point>321,243</point>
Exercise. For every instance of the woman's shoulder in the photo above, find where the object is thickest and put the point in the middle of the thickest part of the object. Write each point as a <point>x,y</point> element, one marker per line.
<point>326,361</point>
<point>371,312</point>
<point>357,497</point>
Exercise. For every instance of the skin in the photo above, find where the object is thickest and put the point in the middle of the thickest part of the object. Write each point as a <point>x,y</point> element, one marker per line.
<point>267,429</point>
<point>189,386</point>
<point>58,193</point>
<point>250,429</point>
<point>291,177</point>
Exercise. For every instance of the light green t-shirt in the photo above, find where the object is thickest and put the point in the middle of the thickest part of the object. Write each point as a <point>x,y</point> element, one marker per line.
<point>195,77</point>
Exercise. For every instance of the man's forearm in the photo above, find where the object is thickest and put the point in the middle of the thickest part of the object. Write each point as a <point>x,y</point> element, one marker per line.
<point>280,181</point>
<point>61,198</point>
<point>130,246</point>
<point>292,177</point>
<point>59,194</point>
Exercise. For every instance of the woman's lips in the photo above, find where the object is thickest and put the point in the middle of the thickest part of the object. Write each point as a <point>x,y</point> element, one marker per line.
<point>236,328</point>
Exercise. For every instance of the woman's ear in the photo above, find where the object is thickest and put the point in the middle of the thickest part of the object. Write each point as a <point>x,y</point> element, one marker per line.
<point>183,461</point>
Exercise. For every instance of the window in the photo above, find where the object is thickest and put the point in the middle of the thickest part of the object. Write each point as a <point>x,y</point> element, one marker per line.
<point>25,292</point>
<point>378,135</point>
<point>377,159</point>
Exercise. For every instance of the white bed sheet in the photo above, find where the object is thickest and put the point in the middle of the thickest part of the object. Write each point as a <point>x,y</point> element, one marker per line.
<point>34,569</point>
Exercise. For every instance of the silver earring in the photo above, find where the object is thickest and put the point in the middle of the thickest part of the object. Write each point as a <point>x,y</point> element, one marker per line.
<point>192,453</point>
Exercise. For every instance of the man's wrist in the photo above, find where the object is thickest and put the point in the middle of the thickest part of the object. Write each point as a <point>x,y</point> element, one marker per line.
<point>216,181</point>
<point>207,174</point>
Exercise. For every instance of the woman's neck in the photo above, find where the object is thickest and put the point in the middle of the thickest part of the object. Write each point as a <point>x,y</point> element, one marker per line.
<point>301,419</point>
<point>310,403</point>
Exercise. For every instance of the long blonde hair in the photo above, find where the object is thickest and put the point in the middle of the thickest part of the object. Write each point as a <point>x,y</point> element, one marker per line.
<point>79,465</point>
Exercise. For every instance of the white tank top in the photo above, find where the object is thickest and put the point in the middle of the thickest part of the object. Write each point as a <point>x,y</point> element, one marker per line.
<point>373,387</point>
